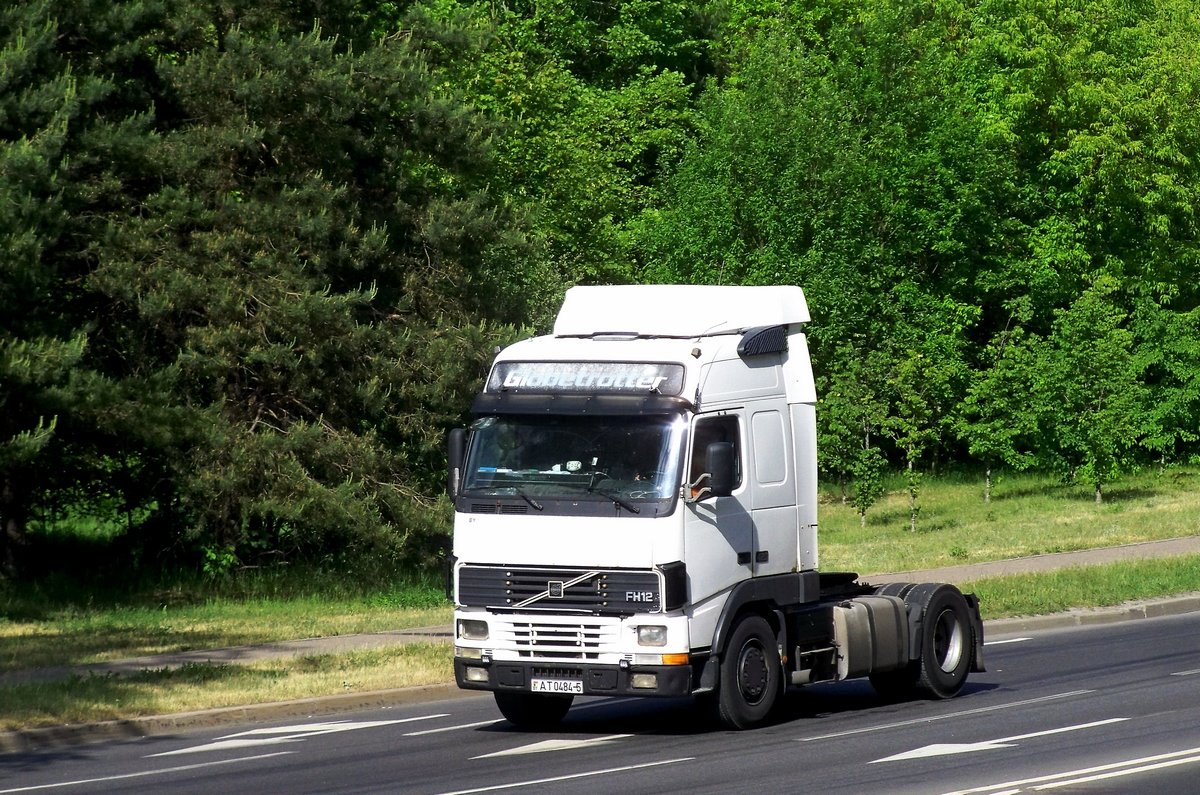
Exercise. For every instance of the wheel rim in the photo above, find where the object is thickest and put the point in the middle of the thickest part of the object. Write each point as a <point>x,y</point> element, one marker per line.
<point>948,641</point>
<point>752,673</point>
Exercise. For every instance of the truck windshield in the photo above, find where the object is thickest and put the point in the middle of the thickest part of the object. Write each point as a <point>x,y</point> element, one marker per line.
<point>607,459</point>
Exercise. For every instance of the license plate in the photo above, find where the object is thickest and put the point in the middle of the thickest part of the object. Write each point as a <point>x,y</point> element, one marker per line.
<point>573,686</point>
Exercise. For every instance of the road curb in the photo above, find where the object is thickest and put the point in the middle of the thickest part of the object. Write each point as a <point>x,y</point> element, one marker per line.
<point>25,740</point>
<point>1130,611</point>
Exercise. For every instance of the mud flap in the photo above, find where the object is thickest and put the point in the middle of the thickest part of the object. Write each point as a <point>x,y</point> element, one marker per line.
<point>976,632</point>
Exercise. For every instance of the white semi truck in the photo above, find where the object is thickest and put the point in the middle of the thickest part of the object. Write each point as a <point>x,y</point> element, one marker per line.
<point>636,515</point>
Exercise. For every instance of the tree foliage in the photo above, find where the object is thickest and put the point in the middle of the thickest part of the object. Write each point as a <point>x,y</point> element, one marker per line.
<point>1089,388</point>
<point>992,201</point>
<point>254,256</point>
<point>263,267</point>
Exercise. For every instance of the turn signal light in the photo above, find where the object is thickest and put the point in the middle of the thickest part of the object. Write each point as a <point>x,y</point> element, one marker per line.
<point>675,659</point>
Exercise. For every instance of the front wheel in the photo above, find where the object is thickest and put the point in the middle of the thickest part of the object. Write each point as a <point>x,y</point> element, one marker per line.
<point>531,710</point>
<point>751,678</point>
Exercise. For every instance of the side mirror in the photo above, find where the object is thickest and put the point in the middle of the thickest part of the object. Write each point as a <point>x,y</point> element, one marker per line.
<point>456,451</point>
<point>719,461</point>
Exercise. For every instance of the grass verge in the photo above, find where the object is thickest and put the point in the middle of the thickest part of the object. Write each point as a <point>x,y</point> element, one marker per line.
<point>203,686</point>
<point>71,635</point>
<point>1027,515</point>
<point>65,621</point>
<point>1086,587</point>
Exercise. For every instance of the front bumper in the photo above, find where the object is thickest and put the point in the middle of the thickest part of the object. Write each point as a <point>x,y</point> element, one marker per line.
<point>598,680</point>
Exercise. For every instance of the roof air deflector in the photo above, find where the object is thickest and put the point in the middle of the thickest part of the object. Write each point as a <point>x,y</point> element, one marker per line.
<point>763,339</point>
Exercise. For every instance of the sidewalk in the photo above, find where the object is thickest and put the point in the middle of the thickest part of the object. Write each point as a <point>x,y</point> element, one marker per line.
<point>26,740</point>
<point>1189,545</point>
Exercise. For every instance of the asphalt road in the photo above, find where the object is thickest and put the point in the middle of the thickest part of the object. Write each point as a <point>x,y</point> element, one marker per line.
<point>1105,709</point>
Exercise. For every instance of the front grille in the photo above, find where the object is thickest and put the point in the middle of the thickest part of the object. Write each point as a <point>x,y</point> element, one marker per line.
<point>597,591</point>
<point>560,641</point>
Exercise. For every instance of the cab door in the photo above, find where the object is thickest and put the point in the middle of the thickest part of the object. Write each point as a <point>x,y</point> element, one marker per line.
<point>718,531</point>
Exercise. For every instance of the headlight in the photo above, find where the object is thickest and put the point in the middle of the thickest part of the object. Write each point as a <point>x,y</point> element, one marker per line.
<point>644,681</point>
<point>652,635</point>
<point>474,674</point>
<point>470,629</point>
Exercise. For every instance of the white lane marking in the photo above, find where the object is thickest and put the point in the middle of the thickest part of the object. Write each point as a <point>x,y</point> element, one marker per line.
<point>943,749</point>
<point>1006,640</point>
<point>932,718</point>
<point>287,734</point>
<point>569,777</point>
<point>1087,771</point>
<point>555,745</point>
<point>948,749</point>
<point>1187,673</point>
<point>1119,773</point>
<point>329,727</point>
<point>143,774</point>
<point>491,722</point>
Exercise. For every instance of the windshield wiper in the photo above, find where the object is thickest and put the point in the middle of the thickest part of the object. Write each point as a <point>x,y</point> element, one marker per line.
<point>617,498</point>
<point>594,480</point>
<point>536,505</point>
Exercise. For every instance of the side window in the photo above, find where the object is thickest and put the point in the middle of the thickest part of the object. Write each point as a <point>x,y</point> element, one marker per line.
<point>715,429</point>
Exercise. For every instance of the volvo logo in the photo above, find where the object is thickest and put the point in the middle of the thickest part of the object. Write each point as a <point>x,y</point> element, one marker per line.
<point>554,589</point>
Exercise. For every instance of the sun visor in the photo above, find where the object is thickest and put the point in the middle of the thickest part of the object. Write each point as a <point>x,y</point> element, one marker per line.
<point>576,404</point>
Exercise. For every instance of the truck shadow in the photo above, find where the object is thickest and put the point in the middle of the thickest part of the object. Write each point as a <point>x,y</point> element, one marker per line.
<point>801,708</point>
<point>816,702</point>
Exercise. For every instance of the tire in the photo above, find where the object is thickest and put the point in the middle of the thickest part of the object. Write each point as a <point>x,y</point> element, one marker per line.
<point>532,711</point>
<point>947,642</point>
<point>751,678</point>
<point>947,646</point>
<point>900,589</point>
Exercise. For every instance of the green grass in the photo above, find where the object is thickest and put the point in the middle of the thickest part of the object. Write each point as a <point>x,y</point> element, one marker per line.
<point>55,624</point>
<point>203,686</point>
<point>74,635</point>
<point>1085,587</point>
<point>1027,515</point>
<point>40,628</point>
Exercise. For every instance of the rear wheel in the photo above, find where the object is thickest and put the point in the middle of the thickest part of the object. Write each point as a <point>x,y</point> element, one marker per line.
<point>751,677</point>
<point>947,645</point>
<point>532,710</point>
